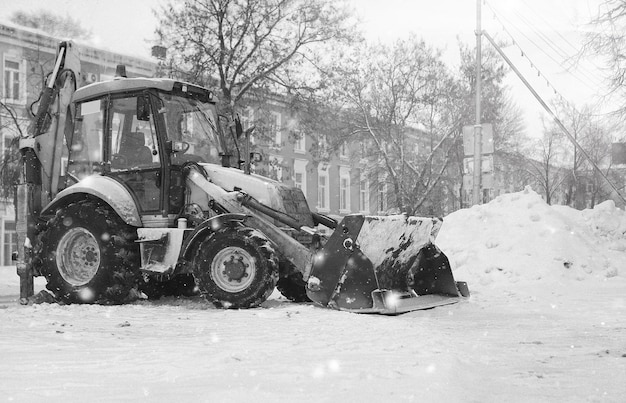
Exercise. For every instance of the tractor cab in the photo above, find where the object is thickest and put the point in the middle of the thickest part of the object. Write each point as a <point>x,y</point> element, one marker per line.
<point>141,132</point>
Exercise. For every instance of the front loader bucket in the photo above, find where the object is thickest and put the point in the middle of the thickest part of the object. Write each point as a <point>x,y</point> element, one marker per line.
<point>387,265</point>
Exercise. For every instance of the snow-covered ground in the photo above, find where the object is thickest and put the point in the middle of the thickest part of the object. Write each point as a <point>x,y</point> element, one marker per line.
<point>546,322</point>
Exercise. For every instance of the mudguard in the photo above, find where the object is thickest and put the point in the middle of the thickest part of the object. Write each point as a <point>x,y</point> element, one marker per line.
<point>207,227</point>
<point>106,189</point>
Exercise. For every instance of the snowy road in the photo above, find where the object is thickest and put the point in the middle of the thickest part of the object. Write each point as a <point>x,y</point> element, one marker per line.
<point>565,345</point>
<point>546,322</point>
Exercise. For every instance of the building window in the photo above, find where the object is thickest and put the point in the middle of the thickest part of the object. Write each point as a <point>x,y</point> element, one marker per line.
<point>344,194</point>
<point>299,174</point>
<point>323,197</point>
<point>298,180</point>
<point>343,151</point>
<point>323,144</point>
<point>382,195</point>
<point>14,76</point>
<point>299,146</point>
<point>364,194</point>
<point>275,130</point>
<point>10,243</point>
<point>344,189</point>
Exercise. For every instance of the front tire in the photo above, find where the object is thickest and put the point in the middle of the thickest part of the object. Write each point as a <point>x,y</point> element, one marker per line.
<point>236,267</point>
<point>88,254</point>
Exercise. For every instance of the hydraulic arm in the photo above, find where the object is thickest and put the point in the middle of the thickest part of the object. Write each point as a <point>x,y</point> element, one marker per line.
<point>40,163</point>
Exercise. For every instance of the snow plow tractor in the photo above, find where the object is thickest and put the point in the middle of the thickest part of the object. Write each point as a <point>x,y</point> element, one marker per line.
<point>127,189</point>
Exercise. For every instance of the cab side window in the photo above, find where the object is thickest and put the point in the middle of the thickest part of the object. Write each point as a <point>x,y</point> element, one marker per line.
<point>86,143</point>
<point>133,140</point>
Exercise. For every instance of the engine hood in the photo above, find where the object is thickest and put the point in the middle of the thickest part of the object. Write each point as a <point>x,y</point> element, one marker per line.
<point>277,195</point>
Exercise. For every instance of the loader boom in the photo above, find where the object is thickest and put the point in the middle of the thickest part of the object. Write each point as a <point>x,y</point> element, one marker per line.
<point>40,163</point>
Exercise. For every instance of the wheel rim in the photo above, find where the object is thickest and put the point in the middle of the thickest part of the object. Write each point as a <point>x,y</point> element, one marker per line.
<point>233,269</point>
<point>78,256</point>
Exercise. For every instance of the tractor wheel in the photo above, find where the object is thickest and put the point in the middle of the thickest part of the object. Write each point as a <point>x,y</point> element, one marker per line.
<point>291,284</point>
<point>236,267</point>
<point>88,254</point>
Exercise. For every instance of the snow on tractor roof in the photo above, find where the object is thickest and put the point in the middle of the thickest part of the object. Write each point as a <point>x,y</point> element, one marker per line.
<point>128,84</point>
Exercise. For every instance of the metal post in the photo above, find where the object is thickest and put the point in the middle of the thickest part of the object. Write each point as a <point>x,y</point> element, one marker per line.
<point>24,231</point>
<point>477,127</point>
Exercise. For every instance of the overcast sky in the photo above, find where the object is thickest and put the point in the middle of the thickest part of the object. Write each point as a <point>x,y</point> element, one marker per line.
<point>548,31</point>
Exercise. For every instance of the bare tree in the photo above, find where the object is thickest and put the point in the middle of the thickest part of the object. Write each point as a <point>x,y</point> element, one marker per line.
<point>545,170</point>
<point>607,40</point>
<point>597,143</point>
<point>250,46</point>
<point>11,128</point>
<point>53,24</point>
<point>396,103</point>
<point>578,123</point>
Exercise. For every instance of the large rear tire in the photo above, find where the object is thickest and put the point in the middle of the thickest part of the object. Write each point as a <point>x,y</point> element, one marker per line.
<point>236,267</point>
<point>88,254</point>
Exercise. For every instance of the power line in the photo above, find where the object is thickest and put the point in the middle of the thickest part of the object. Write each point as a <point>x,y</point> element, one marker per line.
<point>499,17</point>
<point>548,23</point>
<point>525,55</point>
<point>558,49</point>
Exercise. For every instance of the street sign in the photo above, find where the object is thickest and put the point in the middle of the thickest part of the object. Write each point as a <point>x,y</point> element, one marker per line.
<point>486,135</point>
<point>486,164</point>
<point>487,181</point>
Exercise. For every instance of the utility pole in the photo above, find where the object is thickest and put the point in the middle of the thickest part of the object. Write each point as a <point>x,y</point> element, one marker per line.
<point>478,127</point>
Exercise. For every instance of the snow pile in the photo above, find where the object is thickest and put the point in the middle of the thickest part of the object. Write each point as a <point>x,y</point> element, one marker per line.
<point>518,237</point>
<point>608,223</point>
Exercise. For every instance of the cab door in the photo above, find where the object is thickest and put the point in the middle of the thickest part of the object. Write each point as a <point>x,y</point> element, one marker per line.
<point>133,150</point>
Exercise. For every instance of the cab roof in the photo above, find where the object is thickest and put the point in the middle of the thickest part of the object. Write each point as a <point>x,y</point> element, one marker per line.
<point>120,85</point>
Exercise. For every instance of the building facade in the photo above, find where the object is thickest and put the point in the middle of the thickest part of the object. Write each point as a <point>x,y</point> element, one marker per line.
<point>335,185</point>
<point>27,56</point>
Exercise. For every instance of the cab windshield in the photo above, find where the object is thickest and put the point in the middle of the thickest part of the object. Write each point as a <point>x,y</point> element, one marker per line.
<point>192,123</point>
